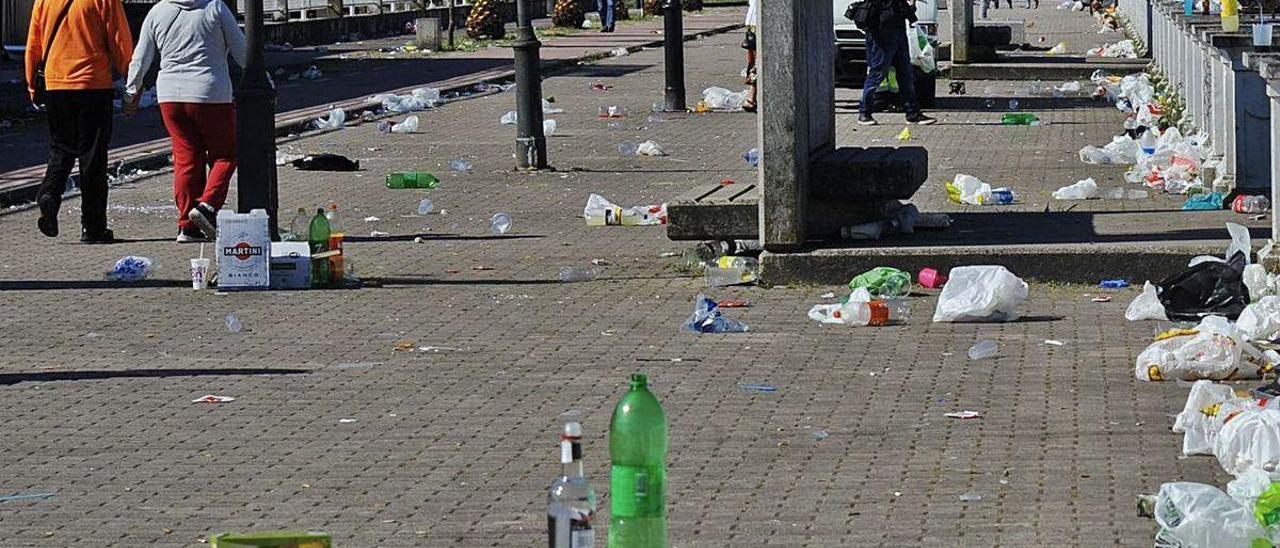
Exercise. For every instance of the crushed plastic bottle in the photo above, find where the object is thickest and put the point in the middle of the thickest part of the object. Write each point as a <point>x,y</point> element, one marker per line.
<point>131,268</point>
<point>730,270</point>
<point>425,206</point>
<point>571,274</point>
<point>1251,205</point>
<point>409,125</point>
<point>460,165</point>
<point>233,323</point>
<point>707,318</point>
<point>984,349</point>
<point>500,223</point>
<point>752,157</point>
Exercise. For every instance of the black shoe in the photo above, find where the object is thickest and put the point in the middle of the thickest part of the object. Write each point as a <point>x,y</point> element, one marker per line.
<point>104,236</point>
<point>206,219</point>
<point>920,119</point>
<point>866,120</point>
<point>48,221</point>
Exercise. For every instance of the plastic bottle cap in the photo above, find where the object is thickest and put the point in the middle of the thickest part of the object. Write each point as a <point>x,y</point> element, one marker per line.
<point>572,430</point>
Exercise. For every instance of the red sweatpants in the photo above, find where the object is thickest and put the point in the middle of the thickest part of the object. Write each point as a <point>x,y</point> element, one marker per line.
<point>203,135</point>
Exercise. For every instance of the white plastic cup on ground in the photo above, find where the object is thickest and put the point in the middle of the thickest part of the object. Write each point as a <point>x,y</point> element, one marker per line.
<point>984,349</point>
<point>199,274</point>
<point>1262,34</point>
<point>500,223</point>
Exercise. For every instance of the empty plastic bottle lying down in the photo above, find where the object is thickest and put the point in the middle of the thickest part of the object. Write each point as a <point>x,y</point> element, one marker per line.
<point>602,212</point>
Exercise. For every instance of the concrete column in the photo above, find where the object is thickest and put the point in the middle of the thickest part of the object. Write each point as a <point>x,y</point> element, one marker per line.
<point>797,112</point>
<point>427,33</point>
<point>961,23</point>
<point>1273,94</point>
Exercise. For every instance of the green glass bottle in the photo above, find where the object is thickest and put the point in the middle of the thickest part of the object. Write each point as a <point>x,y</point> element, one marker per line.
<point>318,238</point>
<point>412,179</point>
<point>638,481</point>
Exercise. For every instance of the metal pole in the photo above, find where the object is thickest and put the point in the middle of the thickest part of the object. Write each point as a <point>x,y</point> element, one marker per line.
<point>531,143</point>
<point>255,126</point>
<point>451,24</point>
<point>673,45</point>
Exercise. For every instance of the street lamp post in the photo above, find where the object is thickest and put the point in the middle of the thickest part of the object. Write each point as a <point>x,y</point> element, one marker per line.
<point>673,46</point>
<point>531,143</point>
<point>255,126</point>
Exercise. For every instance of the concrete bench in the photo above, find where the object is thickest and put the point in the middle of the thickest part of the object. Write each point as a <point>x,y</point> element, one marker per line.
<point>848,186</point>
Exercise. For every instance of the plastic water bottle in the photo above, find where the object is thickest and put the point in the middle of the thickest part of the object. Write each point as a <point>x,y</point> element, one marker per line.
<point>752,157</point>
<point>412,179</point>
<point>571,503</point>
<point>500,223</point>
<point>300,226</point>
<point>1252,205</point>
<point>1001,196</point>
<point>638,478</point>
<point>571,274</point>
<point>1148,141</point>
<point>874,313</point>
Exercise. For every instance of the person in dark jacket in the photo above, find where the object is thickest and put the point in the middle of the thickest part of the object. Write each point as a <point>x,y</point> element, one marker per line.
<point>885,27</point>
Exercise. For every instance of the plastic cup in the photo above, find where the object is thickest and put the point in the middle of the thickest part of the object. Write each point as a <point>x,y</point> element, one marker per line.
<point>199,274</point>
<point>931,279</point>
<point>1262,34</point>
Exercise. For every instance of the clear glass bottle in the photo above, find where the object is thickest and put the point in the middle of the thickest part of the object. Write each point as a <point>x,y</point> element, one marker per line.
<point>571,503</point>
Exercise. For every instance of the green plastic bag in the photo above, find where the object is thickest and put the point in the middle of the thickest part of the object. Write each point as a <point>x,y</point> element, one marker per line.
<point>885,282</point>
<point>1267,509</point>
<point>272,539</point>
<point>890,82</point>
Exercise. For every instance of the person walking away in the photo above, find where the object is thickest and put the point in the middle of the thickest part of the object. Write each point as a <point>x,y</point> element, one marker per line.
<point>72,48</point>
<point>885,24</point>
<point>192,39</point>
<point>749,44</point>
<point>605,7</point>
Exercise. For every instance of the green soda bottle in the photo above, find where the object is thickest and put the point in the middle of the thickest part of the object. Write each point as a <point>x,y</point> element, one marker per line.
<point>318,238</point>
<point>638,481</point>
<point>1019,119</point>
<point>412,179</point>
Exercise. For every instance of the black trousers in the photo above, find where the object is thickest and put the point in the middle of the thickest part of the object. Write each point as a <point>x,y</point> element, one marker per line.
<point>79,129</point>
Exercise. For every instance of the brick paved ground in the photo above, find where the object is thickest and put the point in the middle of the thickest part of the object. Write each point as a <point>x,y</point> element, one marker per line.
<point>456,447</point>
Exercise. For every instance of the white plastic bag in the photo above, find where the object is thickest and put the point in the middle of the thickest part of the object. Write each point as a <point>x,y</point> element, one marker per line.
<point>1240,242</point>
<point>409,125</point>
<point>1146,306</point>
<point>717,98</point>
<point>921,51</point>
<point>334,120</point>
<point>1250,439</point>
<point>1083,190</point>
<point>649,148</point>
<point>1257,281</point>
<point>1214,350</point>
<point>967,189</point>
<point>1195,515</point>
<point>980,294</point>
<point>1202,416</point>
<point>1260,321</point>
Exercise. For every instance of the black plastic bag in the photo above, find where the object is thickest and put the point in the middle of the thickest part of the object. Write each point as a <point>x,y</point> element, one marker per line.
<point>326,162</point>
<point>1207,289</point>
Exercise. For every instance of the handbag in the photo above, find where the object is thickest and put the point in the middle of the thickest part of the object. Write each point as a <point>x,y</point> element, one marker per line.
<point>40,91</point>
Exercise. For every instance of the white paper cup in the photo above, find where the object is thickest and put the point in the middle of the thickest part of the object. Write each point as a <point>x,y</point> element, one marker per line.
<point>199,274</point>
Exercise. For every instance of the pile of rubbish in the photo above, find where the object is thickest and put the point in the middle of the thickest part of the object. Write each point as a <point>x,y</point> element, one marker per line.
<point>1234,305</point>
<point>1124,49</point>
<point>969,294</point>
<point>418,99</point>
<point>721,99</point>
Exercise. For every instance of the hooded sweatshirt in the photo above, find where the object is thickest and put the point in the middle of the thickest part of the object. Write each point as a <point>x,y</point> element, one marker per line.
<point>92,40</point>
<point>192,39</point>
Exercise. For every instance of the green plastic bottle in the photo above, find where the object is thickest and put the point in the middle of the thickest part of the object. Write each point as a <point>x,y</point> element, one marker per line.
<point>1019,119</point>
<point>318,238</point>
<point>412,179</point>
<point>638,481</point>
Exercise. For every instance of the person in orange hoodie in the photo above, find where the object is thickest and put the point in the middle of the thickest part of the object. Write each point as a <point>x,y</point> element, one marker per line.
<point>90,41</point>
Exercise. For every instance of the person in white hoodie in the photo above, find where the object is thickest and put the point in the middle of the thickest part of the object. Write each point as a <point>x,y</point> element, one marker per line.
<point>192,39</point>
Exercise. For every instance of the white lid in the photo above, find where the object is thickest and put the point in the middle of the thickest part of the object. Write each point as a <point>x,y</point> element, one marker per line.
<point>572,429</point>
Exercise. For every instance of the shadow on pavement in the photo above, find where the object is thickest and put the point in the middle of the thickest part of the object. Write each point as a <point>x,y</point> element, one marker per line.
<point>46,285</point>
<point>450,237</point>
<point>49,376</point>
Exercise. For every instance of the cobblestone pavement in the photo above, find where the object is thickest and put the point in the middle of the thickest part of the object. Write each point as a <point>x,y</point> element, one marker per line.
<point>455,446</point>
